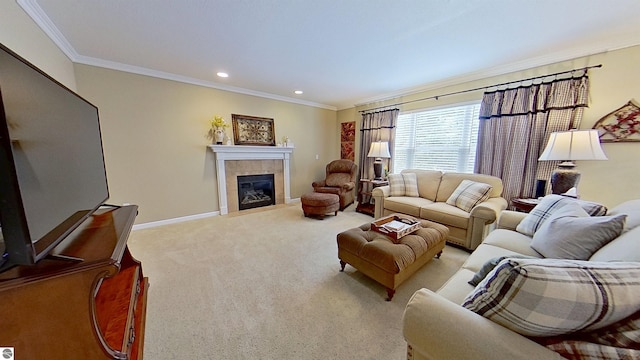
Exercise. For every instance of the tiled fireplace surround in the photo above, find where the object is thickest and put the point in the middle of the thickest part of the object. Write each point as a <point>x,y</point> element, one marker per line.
<point>235,160</point>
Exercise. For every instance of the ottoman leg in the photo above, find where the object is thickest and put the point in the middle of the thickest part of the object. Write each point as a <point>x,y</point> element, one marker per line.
<point>342,264</point>
<point>438,255</point>
<point>390,293</point>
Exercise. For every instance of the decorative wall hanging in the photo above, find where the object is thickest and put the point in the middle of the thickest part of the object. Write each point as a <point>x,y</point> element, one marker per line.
<point>252,130</point>
<point>348,140</point>
<point>620,125</point>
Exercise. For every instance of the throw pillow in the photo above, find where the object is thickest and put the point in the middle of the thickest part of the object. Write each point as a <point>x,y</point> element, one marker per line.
<point>468,194</point>
<point>570,233</point>
<point>549,204</point>
<point>549,297</point>
<point>410,184</point>
<point>396,184</point>
<point>490,265</point>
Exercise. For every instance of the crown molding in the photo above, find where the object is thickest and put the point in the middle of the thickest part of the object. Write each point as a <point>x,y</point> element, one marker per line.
<point>33,9</point>
<point>86,60</point>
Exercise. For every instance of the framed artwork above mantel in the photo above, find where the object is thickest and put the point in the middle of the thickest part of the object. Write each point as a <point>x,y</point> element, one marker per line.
<point>253,130</point>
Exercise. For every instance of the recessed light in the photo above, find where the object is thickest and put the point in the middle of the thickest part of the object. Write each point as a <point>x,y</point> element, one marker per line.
<point>222,74</point>
<point>298,92</point>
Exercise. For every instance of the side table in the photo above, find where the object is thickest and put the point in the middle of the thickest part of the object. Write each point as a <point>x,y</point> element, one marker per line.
<point>524,205</point>
<point>364,195</point>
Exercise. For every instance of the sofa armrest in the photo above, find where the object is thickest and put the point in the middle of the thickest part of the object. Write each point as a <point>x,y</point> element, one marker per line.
<point>510,219</point>
<point>320,183</point>
<point>437,328</point>
<point>489,209</point>
<point>481,218</point>
<point>349,186</point>
<point>379,194</point>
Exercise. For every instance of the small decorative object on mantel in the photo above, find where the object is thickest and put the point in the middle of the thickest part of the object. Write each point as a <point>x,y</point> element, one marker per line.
<point>620,125</point>
<point>252,130</point>
<point>217,133</point>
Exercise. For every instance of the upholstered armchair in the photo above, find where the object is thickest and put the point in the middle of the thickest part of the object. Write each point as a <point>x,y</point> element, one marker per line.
<point>340,180</point>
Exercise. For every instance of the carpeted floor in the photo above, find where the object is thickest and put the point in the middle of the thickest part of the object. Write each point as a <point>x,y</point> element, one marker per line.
<point>266,285</point>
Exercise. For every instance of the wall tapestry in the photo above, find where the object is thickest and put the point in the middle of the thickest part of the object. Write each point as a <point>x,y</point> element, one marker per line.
<point>252,130</point>
<point>348,140</point>
<point>620,125</point>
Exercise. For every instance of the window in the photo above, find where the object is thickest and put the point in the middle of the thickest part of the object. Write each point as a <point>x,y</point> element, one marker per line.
<point>437,139</point>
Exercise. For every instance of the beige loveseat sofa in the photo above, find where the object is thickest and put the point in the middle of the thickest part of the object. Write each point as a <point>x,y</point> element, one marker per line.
<point>436,326</point>
<point>466,229</point>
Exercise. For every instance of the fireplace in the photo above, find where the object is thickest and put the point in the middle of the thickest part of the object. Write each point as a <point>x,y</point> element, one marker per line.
<point>232,161</point>
<point>255,191</point>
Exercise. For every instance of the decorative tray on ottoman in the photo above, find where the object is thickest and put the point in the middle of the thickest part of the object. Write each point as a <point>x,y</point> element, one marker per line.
<point>395,226</point>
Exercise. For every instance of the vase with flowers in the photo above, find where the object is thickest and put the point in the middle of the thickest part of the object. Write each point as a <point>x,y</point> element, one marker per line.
<point>216,133</point>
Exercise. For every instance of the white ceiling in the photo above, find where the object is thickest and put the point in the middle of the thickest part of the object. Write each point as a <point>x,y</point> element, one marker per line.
<point>339,52</point>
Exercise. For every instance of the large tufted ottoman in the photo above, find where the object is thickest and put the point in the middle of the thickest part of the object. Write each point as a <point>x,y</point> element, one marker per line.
<point>377,256</point>
<point>320,204</point>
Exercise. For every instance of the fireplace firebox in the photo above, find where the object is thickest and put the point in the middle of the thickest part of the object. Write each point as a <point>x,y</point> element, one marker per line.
<point>255,191</point>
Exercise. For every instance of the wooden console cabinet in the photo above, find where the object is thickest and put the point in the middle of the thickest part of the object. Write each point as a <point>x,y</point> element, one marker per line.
<point>93,307</point>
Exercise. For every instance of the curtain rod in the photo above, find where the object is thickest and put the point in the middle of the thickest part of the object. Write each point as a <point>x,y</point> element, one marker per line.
<point>482,88</point>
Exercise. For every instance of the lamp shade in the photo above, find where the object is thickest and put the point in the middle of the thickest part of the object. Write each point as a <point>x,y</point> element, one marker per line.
<point>379,149</point>
<point>568,146</point>
<point>573,145</point>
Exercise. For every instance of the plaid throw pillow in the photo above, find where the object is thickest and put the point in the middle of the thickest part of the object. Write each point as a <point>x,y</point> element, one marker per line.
<point>548,205</point>
<point>618,341</point>
<point>396,184</point>
<point>410,184</point>
<point>549,297</point>
<point>468,194</point>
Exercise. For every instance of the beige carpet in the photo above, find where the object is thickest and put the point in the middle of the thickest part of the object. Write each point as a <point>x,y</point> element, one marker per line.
<point>266,285</point>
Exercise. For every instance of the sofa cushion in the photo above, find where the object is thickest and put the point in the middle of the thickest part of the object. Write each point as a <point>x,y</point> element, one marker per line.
<point>625,247</point>
<point>632,209</point>
<point>468,194</point>
<point>512,241</point>
<point>406,205</point>
<point>570,233</point>
<point>445,214</point>
<point>550,203</point>
<point>548,297</point>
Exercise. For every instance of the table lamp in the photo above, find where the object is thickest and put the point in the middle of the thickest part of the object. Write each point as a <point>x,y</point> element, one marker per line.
<point>569,146</point>
<point>378,150</point>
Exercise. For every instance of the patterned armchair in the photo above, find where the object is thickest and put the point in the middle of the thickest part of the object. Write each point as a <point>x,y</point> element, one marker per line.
<point>340,180</point>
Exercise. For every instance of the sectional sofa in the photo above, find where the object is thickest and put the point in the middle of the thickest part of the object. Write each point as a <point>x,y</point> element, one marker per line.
<point>528,306</point>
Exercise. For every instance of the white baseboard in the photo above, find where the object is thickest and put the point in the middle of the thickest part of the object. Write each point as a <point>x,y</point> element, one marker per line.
<point>175,220</point>
<point>187,218</point>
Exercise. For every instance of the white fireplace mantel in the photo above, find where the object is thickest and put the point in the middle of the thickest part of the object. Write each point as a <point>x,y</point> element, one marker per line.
<point>246,152</point>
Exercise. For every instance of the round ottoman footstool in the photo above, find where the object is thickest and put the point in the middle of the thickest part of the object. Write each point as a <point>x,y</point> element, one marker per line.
<point>320,204</point>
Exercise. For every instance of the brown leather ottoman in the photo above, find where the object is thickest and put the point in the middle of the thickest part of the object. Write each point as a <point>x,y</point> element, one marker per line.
<point>320,204</point>
<point>377,256</point>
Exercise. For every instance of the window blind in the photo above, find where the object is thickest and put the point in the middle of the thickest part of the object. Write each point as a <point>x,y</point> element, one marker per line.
<point>438,139</point>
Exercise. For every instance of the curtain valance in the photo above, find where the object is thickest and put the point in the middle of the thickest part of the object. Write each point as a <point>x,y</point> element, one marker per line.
<point>526,100</point>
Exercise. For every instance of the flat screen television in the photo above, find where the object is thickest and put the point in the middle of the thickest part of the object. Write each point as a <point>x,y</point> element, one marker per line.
<point>52,170</point>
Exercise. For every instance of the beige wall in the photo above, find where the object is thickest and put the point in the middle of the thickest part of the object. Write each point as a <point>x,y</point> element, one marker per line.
<point>20,34</point>
<point>154,135</point>
<point>610,182</point>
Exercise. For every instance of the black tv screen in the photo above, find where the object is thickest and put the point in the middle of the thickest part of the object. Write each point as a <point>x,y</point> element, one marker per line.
<point>51,161</point>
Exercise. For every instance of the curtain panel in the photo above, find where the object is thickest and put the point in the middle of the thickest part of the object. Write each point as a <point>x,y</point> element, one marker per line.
<point>515,125</point>
<point>376,126</point>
